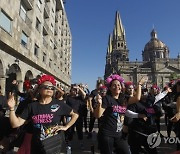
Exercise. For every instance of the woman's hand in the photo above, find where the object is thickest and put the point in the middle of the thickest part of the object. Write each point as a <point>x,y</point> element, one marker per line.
<point>143,80</point>
<point>169,89</point>
<point>11,101</point>
<point>175,118</point>
<point>58,128</point>
<point>143,116</point>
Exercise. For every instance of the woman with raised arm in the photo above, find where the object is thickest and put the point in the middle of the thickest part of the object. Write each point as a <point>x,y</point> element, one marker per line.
<point>113,107</point>
<point>176,118</point>
<point>45,114</point>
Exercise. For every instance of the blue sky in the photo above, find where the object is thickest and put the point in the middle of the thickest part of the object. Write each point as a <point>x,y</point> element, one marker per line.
<point>91,22</point>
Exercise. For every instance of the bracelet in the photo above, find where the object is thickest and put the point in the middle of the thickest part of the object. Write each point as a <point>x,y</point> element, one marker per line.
<point>11,110</point>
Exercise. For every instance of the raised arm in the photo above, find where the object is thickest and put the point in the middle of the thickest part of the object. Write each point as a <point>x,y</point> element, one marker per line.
<point>161,95</point>
<point>137,96</point>
<point>99,110</point>
<point>89,102</point>
<point>14,120</point>
<point>81,92</point>
<point>176,117</point>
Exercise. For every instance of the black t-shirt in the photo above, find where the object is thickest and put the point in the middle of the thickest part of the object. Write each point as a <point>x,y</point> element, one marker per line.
<point>76,103</point>
<point>45,116</point>
<point>169,105</point>
<point>113,116</point>
<point>139,124</point>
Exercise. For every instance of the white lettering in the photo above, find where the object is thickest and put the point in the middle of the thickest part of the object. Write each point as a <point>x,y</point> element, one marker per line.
<point>177,140</point>
<point>165,139</point>
<point>171,140</point>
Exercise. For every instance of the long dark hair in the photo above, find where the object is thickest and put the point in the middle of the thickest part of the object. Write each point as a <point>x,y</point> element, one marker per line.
<point>122,100</point>
<point>175,93</point>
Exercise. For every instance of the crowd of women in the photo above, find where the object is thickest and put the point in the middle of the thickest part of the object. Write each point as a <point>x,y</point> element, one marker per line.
<point>126,113</point>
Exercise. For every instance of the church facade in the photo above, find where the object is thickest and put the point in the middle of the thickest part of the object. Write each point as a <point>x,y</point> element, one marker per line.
<point>156,63</point>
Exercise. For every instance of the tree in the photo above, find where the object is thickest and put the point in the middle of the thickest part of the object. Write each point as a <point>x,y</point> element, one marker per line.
<point>173,76</point>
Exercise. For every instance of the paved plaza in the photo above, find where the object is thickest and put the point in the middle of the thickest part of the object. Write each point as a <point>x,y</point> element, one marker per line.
<point>89,143</point>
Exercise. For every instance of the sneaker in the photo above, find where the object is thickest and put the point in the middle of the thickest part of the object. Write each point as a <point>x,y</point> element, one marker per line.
<point>68,150</point>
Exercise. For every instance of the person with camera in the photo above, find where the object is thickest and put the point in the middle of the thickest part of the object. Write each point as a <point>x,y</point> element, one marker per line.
<point>45,114</point>
<point>84,87</point>
<point>76,100</point>
<point>92,105</point>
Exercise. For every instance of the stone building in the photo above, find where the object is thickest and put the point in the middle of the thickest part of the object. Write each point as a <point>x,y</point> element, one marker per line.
<point>156,64</point>
<point>35,39</point>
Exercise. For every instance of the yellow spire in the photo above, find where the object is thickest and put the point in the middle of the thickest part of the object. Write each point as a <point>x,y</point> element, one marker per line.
<point>109,49</point>
<point>118,30</point>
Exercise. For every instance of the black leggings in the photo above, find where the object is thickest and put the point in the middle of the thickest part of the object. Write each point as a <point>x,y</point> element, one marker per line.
<point>108,144</point>
<point>79,128</point>
<point>91,122</point>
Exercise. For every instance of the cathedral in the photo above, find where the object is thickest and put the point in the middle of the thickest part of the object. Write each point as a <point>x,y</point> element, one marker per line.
<point>156,63</point>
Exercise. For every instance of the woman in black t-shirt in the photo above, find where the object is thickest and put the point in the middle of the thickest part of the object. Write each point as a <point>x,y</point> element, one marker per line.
<point>113,107</point>
<point>176,118</point>
<point>45,114</point>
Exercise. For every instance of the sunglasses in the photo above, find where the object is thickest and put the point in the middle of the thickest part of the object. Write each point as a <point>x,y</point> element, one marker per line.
<point>48,87</point>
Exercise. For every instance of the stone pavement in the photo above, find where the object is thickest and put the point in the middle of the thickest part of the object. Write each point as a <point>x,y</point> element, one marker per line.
<point>88,145</point>
<point>163,148</point>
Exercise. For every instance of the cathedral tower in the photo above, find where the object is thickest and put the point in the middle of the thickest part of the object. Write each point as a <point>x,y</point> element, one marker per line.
<point>156,64</point>
<point>117,48</point>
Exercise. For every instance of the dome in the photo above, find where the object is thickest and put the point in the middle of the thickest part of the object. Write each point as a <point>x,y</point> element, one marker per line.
<point>154,44</point>
<point>155,49</point>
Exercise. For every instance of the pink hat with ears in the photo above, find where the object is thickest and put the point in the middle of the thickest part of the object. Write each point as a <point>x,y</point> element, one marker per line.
<point>114,77</point>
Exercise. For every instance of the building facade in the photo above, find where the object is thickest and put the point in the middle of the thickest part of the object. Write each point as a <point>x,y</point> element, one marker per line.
<point>156,63</point>
<point>35,39</point>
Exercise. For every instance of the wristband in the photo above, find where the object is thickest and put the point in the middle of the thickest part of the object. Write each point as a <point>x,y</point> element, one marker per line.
<point>11,110</point>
